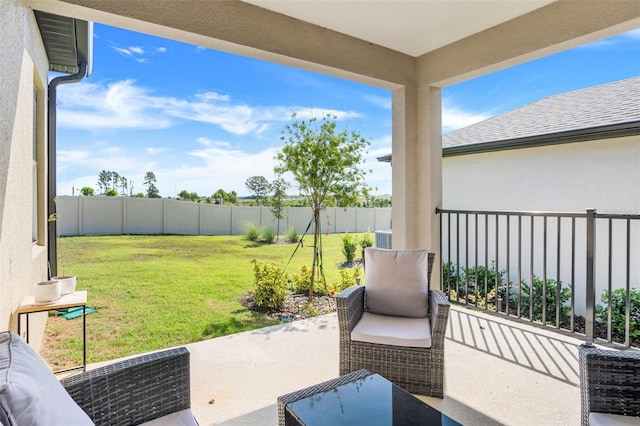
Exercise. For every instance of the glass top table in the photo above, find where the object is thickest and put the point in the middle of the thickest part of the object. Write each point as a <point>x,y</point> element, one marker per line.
<point>371,400</point>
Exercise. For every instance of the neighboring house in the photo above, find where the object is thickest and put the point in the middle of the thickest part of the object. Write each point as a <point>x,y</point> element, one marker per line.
<point>565,153</point>
<point>30,49</point>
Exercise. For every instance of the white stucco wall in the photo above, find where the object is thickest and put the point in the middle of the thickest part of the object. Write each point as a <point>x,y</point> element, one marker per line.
<point>24,65</point>
<point>569,178</point>
<point>601,174</point>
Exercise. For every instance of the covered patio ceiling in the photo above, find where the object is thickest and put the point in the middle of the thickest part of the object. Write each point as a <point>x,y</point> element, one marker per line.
<point>335,37</point>
<point>410,27</point>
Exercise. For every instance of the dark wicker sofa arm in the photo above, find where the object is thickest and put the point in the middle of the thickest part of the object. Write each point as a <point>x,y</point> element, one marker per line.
<point>439,316</point>
<point>134,391</point>
<point>350,306</point>
<point>609,382</point>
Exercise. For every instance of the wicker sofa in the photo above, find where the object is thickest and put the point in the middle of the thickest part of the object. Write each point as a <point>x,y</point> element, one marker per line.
<point>609,387</point>
<point>150,389</point>
<point>416,369</point>
<point>134,391</point>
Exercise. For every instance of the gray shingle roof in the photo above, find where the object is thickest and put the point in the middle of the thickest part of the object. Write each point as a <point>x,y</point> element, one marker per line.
<point>608,104</point>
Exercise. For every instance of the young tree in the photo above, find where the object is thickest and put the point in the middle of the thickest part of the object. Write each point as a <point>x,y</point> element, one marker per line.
<point>259,186</point>
<point>123,184</point>
<point>326,164</point>
<point>115,178</point>
<point>278,187</point>
<point>150,183</point>
<point>219,197</point>
<point>104,178</point>
<point>87,191</point>
<point>232,197</point>
<point>184,195</point>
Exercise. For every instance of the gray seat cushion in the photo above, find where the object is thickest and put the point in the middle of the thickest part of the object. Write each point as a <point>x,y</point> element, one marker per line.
<point>30,394</point>
<point>180,418</point>
<point>397,282</point>
<point>395,331</point>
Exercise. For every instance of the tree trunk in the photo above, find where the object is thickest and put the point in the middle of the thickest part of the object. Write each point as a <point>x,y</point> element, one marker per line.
<point>316,237</point>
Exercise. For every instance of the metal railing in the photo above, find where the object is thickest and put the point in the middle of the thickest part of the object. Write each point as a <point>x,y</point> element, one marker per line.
<point>547,269</point>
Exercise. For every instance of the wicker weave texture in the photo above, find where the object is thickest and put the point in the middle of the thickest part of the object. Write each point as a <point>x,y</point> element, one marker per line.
<point>134,391</point>
<point>416,370</point>
<point>285,419</point>
<point>609,382</point>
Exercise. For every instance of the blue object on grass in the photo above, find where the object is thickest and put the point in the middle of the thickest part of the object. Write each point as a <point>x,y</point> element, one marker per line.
<point>76,312</point>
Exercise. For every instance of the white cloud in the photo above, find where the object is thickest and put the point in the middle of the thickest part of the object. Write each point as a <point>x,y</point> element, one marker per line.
<point>137,49</point>
<point>204,141</point>
<point>124,105</point>
<point>161,49</point>
<point>117,105</point>
<point>112,150</point>
<point>454,117</point>
<point>212,96</point>
<point>379,101</point>
<point>152,150</point>
<point>214,171</point>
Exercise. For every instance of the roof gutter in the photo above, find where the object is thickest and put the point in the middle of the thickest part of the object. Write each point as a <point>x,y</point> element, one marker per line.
<point>52,242</point>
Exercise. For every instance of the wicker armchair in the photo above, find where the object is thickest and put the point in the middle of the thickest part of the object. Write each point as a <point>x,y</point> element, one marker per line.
<point>609,383</point>
<point>416,369</point>
<point>134,391</point>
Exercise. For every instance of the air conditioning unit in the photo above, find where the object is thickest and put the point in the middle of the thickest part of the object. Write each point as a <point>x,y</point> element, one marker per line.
<point>383,239</point>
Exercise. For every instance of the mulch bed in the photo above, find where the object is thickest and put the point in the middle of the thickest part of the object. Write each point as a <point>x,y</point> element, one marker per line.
<point>296,307</point>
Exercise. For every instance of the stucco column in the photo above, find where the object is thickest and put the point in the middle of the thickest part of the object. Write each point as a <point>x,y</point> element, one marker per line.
<point>417,168</point>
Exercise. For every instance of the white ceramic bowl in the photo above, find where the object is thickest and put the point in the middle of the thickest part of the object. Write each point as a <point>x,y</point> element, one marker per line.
<point>46,291</point>
<point>67,284</point>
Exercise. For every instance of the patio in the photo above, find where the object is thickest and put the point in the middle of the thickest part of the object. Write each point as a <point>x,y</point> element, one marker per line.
<point>497,371</point>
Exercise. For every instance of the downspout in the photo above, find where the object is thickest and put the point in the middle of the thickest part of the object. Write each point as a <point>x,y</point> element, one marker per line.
<point>52,242</point>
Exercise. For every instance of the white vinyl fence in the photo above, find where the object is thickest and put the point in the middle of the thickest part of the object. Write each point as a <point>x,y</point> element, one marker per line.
<point>152,216</point>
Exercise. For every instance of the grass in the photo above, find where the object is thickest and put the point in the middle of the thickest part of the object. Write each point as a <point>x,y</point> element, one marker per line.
<point>154,292</point>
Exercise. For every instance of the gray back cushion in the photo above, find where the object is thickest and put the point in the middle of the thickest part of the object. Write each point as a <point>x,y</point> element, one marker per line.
<point>30,394</point>
<point>397,282</point>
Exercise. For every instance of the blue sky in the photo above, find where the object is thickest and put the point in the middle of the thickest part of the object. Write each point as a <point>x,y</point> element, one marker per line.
<point>202,120</point>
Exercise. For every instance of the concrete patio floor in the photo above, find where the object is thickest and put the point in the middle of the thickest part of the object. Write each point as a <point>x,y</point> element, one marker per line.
<point>497,371</point>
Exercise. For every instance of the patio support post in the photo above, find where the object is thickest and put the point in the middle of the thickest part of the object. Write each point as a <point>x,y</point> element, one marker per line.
<point>417,168</point>
<point>591,280</point>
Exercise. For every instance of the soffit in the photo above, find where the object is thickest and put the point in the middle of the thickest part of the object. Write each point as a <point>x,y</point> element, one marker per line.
<point>67,41</point>
<point>410,27</point>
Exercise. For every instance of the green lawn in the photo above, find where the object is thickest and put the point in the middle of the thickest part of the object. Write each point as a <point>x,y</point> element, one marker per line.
<point>154,292</point>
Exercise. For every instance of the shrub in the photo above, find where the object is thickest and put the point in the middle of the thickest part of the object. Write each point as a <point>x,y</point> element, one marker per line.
<point>348,277</point>
<point>251,231</point>
<point>454,278</point>
<point>270,286</point>
<point>450,273</point>
<point>366,240</point>
<point>309,310</point>
<point>550,296</point>
<point>301,282</point>
<point>293,235</point>
<point>349,247</point>
<point>267,234</point>
<point>619,311</point>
